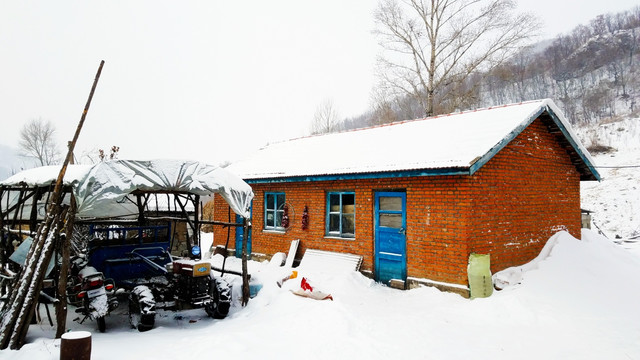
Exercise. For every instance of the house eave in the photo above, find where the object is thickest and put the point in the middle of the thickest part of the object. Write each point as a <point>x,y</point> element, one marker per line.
<point>360,176</point>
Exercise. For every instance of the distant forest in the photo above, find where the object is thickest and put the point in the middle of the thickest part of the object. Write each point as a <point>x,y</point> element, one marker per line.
<point>591,73</point>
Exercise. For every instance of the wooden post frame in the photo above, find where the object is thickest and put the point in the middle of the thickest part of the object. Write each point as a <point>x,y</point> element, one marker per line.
<point>245,278</point>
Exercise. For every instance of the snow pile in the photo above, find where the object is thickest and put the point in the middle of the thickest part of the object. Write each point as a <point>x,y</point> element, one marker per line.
<point>579,301</point>
<point>513,275</point>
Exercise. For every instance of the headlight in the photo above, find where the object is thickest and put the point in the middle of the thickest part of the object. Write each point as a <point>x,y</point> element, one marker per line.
<point>195,251</point>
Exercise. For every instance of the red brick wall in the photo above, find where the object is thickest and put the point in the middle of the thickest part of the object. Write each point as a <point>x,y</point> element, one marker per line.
<point>509,208</point>
<point>526,193</point>
<point>436,218</point>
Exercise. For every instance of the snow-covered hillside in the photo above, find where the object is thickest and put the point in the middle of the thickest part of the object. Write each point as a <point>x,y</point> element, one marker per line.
<point>615,201</point>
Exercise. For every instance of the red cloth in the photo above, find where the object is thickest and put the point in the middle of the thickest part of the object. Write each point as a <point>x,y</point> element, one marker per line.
<point>305,285</point>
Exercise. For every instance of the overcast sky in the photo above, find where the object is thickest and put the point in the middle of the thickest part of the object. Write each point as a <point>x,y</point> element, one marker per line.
<point>202,80</point>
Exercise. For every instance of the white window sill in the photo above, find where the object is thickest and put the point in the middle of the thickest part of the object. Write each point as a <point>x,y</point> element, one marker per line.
<point>274,231</point>
<point>334,237</point>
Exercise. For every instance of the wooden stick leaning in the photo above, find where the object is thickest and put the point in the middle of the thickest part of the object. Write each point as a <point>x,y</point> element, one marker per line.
<point>18,311</point>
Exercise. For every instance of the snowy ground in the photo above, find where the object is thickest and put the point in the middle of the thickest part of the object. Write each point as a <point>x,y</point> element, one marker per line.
<point>580,302</point>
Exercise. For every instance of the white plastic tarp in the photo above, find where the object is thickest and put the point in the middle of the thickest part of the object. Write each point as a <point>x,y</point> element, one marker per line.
<point>100,190</point>
<point>43,176</point>
<point>106,185</point>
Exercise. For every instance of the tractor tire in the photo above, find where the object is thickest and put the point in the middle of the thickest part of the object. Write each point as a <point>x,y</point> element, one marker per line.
<point>220,304</point>
<point>142,308</point>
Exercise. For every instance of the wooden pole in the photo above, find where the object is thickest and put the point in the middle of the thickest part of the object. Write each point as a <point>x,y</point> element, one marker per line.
<point>33,217</point>
<point>73,142</point>
<point>4,241</point>
<point>245,277</point>
<point>140,210</point>
<point>191,224</point>
<point>196,222</point>
<point>17,313</point>
<point>226,245</point>
<point>29,306</point>
<point>61,306</point>
<point>17,310</point>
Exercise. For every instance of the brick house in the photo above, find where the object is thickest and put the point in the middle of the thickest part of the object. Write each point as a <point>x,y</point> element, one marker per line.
<point>416,198</point>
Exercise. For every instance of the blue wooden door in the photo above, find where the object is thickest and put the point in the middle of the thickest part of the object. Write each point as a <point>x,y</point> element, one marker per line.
<point>390,239</point>
<point>240,238</point>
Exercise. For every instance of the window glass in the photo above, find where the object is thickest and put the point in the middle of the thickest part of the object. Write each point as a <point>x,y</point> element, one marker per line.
<point>348,203</point>
<point>341,214</point>
<point>390,203</point>
<point>334,222</point>
<point>334,203</point>
<point>273,210</point>
<point>270,201</point>
<point>348,224</point>
<point>391,220</point>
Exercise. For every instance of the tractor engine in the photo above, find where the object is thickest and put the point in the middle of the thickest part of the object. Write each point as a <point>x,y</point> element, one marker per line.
<point>192,283</point>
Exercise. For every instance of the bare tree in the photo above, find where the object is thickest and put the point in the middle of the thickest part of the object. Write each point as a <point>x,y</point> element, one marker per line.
<point>37,140</point>
<point>382,104</point>
<point>325,119</point>
<point>433,46</point>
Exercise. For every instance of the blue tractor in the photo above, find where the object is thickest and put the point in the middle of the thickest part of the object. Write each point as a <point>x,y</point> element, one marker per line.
<point>138,259</point>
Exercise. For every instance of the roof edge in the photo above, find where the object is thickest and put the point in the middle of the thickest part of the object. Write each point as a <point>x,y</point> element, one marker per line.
<point>360,176</point>
<point>480,162</point>
<point>567,131</point>
<point>554,112</point>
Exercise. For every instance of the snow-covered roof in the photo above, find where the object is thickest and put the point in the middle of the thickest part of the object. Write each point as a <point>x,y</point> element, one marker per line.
<point>45,175</point>
<point>100,189</point>
<point>457,143</point>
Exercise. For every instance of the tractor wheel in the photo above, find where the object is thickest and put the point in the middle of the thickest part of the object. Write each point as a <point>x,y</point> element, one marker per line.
<point>142,308</point>
<point>220,303</point>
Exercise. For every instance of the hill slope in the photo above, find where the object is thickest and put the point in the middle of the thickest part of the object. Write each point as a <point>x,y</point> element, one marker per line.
<point>615,200</point>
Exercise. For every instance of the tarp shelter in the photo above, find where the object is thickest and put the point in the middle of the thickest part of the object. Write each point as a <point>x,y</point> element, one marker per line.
<point>114,192</point>
<point>101,190</point>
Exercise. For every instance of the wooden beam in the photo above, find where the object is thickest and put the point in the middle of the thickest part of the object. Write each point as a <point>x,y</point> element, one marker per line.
<point>65,250</point>
<point>186,216</point>
<point>225,224</point>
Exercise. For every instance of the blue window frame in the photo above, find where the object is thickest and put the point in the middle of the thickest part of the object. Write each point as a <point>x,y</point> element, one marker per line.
<point>273,210</point>
<point>341,214</point>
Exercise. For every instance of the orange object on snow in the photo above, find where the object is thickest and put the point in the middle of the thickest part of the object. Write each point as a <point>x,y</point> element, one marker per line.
<point>294,274</point>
